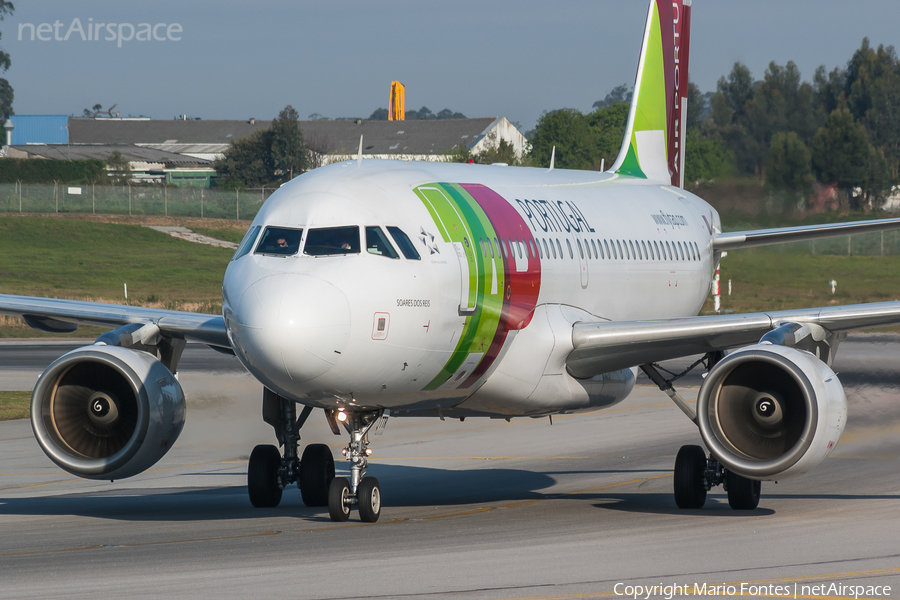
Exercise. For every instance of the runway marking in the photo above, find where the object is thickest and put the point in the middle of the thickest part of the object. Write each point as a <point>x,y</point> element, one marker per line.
<point>142,544</point>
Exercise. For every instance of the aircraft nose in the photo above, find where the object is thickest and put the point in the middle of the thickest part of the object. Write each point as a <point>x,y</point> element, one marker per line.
<point>291,327</point>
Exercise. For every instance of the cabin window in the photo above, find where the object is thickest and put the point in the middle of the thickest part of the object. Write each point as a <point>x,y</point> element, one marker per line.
<point>247,243</point>
<point>594,246</point>
<point>569,244</point>
<point>606,244</point>
<point>681,250</point>
<point>580,250</point>
<point>634,253</point>
<point>490,247</point>
<point>403,242</point>
<point>330,241</point>
<point>520,247</point>
<point>668,251</point>
<point>546,249</point>
<point>644,248</point>
<point>281,241</point>
<point>378,244</point>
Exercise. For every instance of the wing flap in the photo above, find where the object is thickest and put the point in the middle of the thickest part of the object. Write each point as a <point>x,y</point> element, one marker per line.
<point>602,347</point>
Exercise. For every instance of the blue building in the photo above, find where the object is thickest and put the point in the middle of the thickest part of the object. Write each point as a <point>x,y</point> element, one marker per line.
<point>39,129</point>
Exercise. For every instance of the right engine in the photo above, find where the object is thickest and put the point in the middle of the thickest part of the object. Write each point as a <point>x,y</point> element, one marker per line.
<point>771,412</point>
<point>106,412</point>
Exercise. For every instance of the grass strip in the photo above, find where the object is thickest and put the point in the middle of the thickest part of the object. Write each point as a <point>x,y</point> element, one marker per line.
<point>14,405</point>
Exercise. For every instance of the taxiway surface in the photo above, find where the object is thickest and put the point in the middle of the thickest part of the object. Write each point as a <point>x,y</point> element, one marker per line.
<point>478,509</point>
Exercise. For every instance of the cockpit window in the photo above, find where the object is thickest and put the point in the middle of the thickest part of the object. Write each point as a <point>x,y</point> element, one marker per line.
<point>280,240</point>
<point>332,240</point>
<point>247,243</point>
<point>405,245</point>
<point>377,243</point>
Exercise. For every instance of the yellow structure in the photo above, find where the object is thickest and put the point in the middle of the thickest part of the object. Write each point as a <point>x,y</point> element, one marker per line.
<point>397,107</point>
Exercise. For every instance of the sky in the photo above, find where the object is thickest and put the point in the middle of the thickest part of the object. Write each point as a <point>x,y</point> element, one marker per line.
<point>224,59</point>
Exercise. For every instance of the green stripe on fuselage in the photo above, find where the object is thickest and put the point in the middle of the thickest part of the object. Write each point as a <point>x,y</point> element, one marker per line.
<point>459,218</point>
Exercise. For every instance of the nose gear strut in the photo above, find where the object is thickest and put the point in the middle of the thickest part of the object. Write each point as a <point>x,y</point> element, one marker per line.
<point>360,491</point>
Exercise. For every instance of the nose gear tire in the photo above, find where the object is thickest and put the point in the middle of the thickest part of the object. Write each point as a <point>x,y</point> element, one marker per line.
<point>339,499</point>
<point>368,496</point>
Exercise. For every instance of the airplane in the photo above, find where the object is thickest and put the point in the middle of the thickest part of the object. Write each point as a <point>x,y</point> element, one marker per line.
<point>373,289</point>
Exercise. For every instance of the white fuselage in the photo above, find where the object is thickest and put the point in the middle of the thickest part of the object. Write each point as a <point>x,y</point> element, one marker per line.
<point>508,259</point>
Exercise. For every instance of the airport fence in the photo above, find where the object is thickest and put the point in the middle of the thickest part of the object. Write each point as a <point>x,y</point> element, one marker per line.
<point>160,200</point>
<point>132,200</point>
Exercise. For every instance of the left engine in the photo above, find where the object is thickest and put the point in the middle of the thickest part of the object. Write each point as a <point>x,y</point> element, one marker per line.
<point>771,412</point>
<point>107,412</point>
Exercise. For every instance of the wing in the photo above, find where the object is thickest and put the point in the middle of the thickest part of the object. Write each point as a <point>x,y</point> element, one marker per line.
<point>602,347</point>
<point>61,316</point>
<point>782,235</point>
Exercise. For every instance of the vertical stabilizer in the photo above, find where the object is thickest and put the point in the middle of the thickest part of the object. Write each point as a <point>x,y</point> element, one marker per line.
<point>653,147</point>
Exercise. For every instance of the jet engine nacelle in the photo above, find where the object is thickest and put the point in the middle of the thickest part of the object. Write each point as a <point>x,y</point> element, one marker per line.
<point>106,412</point>
<point>771,412</point>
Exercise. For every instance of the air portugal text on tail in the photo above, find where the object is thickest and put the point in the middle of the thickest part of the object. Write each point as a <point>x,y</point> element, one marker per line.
<point>653,147</point>
<point>371,289</point>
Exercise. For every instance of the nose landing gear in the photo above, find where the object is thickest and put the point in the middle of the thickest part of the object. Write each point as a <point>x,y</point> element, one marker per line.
<point>360,491</point>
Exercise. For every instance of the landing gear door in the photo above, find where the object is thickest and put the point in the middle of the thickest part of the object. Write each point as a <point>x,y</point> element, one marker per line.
<point>468,277</point>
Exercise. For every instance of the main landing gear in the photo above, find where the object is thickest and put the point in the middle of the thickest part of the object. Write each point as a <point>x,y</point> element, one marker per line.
<point>362,492</point>
<point>269,472</point>
<point>695,473</point>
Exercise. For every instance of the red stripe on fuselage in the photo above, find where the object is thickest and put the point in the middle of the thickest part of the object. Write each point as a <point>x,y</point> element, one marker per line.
<point>521,294</point>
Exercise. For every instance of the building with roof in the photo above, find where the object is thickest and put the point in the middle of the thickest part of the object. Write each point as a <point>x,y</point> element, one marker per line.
<point>413,140</point>
<point>146,164</point>
<point>39,129</point>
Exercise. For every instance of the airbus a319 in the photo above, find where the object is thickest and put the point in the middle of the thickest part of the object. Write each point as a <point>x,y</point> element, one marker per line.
<point>372,289</point>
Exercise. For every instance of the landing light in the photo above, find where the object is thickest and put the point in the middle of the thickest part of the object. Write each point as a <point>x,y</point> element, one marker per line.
<point>368,452</point>
<point>342,416</point>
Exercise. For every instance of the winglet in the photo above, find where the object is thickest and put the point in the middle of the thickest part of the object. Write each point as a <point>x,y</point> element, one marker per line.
<point>653,147</point>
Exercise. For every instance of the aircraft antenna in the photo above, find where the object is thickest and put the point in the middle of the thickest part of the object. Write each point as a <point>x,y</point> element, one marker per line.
<point>552,159</point>
<point>359,153</point>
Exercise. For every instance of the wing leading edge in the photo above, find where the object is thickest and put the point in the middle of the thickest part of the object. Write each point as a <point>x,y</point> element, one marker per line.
<point>603,347</point>
<point>53,314</point>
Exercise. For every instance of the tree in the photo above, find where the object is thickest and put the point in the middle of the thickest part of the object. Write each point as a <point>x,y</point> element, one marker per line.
<point>248,161</point>
<point>93,111</point>
<point>706,159</point>
<point>865,68</point>
<point>787,165</point>
<point>840,151</point>
<point>696,107</point>
<point>621,93</point>
<point>6,100</point>
<point>119,168</point>
<point>289,153</point>
<point>380,114</point>
<point>735,92</point>
<point>581,141</point>
<point>883,120</point>
<point>6,90</point>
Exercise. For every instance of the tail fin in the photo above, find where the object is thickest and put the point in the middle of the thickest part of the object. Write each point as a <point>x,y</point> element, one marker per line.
<point>653,147</point>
